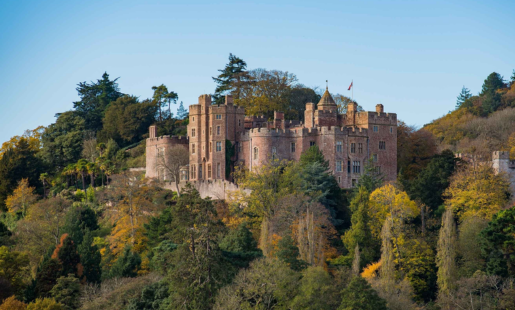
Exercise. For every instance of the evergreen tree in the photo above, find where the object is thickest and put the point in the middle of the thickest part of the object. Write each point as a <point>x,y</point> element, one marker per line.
<point>288,253</point>
<point>491,99</point>
<point>126,265</point>
<point>47,276</point>
<point>359,295</point>
<point>464,95</point>
<point>90,259</point>
<point>239,240</point>
<point>95,98</point>
<point>79,219</point>
<point>182,113</point>
<point>68,256</point>
<point>371,179</point>
<point>512,79</point>
<point>313,155</point>
<point>231,74</point>
<point>446,255</point>
<point>161,97</point>
<point>67,292</point>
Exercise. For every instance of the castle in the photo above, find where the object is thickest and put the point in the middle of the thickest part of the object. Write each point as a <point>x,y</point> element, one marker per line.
<point>221,137</point>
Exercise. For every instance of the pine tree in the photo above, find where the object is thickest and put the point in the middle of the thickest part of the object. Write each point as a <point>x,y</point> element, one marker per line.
<point>446,256</point>
<point>182,113</point>
<point>228,76</point>
<point>90,259</point>
<point>161,97</point>
<point>67,254</point>
<point>464,95</point>
<point>359,295</point>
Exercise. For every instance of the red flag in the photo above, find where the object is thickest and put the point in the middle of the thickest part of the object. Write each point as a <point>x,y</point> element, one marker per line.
<point>350,86</point>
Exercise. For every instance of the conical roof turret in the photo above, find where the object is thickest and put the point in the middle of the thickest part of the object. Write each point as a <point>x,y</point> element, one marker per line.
<point>327,99</point>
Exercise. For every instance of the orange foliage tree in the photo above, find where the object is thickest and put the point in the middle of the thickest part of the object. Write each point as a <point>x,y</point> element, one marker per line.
<point>22,197</point>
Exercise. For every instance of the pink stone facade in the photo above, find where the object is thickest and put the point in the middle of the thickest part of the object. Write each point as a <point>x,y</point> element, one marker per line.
<point>347,141</point>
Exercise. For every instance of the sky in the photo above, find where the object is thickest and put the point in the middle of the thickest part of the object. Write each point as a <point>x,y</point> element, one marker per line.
<point>412,56</point>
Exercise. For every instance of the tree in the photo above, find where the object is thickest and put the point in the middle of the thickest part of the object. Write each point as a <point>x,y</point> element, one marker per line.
<point>22,197</point>
<point>469,253</point>
<point>132,207</point>
<point>446,255</point>
<point>66,253</point>
<point>371,179</point>
<point>199,268</point>
<point>78,220</point>
<point>82,168</point>
<point>247,290</point>
<point>182,113</point>
<point>90,259</point>
<point>359,295</point>
<point>46,277</point>
<point>491,99</point>
<point>288,253</point>
<point>126,265</point>
<point>316,291</point>
<point>298,96</point>
<point>463,96</point>
<point>67,292</point>
<point>14,268</point>
<point>230,76</point>
<point>12,303</point>
<point>161,97</point>
<point>239,240</point>
<point>175,158</point>
<point>343,102</point>
<point>95,98</point>
<point>477,190</point>
<point>497,243</point>
<point>45,304</point>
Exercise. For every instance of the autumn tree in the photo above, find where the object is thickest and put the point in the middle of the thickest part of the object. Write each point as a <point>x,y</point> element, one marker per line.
<point>45,304</point>
<point>229,79</point>
<point>14,267</point>
<point>470,258</point>
<point>171,163</point>
<point>132,206</point>
<point>477,190</point>
<point>66,253</point>
<point>23,196</point>
<point>12,303</point>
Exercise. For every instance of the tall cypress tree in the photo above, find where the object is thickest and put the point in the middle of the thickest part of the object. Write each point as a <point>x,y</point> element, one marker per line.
<point>228,76</point>
<point>446,256</point>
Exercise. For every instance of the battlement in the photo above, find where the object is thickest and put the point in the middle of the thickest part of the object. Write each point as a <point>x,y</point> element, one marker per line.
<point>501,155</point>
<point>168,140</point>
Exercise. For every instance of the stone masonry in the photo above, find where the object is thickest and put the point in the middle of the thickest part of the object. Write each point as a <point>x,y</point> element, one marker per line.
<point>347,141</point>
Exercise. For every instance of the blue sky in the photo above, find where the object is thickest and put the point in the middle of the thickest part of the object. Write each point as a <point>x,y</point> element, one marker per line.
<point>411,56</point>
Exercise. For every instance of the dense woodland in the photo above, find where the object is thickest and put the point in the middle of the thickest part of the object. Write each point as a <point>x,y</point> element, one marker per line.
<point>80,230</point>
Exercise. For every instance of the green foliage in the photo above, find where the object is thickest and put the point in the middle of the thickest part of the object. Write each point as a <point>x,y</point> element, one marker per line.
<point>228,76</point>
<point>497,242</point>
<point>47,276</point>
<point>359,295</point>
<point>162,258</point>
<point>182,113</point>
<point>126,265</point>
<point>288,253</point>
<point>68,256</point>
<point>316,291</point>
<point>79,219</point>
<point>313,155</point>
<point>14,268</point>
<point>161,97</point>
<point>151,298</point>
<point>90,259</point>
<point>158,228</point>
<point>464,96</point>
<point>45,304</point>
<point>371,179</point>
<point>67,292</point>
<point>5,234</point>
<point>95,98</point>
<point>469,253</point>
<point>298,96</point>
<point>239,240</point>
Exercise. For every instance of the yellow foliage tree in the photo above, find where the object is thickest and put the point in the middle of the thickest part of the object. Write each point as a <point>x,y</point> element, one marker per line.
<point>12,303</point>
<point>371,270</point>
<point>389,201</point>
<point>131,206</point>
<point>33,137</point>
<point>45,304</point>
<point>477,190</point>
<point>23,196</point>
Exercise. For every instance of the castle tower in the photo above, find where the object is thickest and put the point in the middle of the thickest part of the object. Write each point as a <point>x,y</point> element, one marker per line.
<point>327,111</point>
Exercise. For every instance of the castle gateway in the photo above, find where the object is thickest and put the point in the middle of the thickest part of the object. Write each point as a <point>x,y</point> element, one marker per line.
<point>221,137</point>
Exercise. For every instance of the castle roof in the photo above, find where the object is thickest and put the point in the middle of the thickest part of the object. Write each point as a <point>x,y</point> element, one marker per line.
<point>326,99</point>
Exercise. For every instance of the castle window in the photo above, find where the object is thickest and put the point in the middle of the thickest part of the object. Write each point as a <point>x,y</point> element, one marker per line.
<point>161,174</point>
<point>192,119</point>
<point>219,116</point>
<point>203,131</point>
<point>218,146</point>
<point>218,130</point>
<point>193,171</point>
<point>218,170</point>
<point>382,145</point>
<point>391,129</point>
<point>353,147</point>
<point>200,172</point>
<point>274,152</point>
<point>360,148</point>
<point>193,132</point>
<point>209,171</point>
<point>376,129</point>
<point>339,146</point>
<point>339,180</point>
<point>353,182</point>
<point>311,143</point>
<point>210,147</point>
<point>348,166</point>
<point>256,153</point>
<point>378,169</point>
<point>210,131</point>
<point>161,152</point>
<point>193,148</point>
<point>292,147</point>
<point>374,158</point>
<point>338,166</point>
<point>184,175</point>
<point>240,147</point>
<point>239,122</point>
<point>356,166</point>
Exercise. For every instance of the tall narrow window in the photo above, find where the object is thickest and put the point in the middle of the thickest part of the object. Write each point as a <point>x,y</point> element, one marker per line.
<point>218,146</point>
<point>210,131</point>
<point>311,143</point>
<point>360,148</point>
<point>200,172</point>
<point>218,130</point>
<point>391,129</point>
<point>256,153</point>
<point>356,166</point>
<point>338,166</point>
<point>376,129</point>
<point>219,116</point>
<point>292,147</point>
<point>193,119</point>
<point>218,170</point>
<point>210,147</point>
<point>339,146</point>
<point>193,148</point>
<point>348,166</point>
<point>353,182</point>
<point>209,171</point>
<point>193,132</point>
<point>239,123</point>
<point>353,147</point>
<point>374,158</point>
<point>382,145</point>
<point>274,152</point>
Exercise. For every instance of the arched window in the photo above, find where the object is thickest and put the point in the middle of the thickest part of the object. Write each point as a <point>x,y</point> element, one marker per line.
<point>274,152</point>
<point>256,153</point>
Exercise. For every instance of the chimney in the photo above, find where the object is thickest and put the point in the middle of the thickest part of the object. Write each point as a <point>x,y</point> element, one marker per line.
<point>152,131</point>
<point>379,108</point>
<point>229,100</point>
